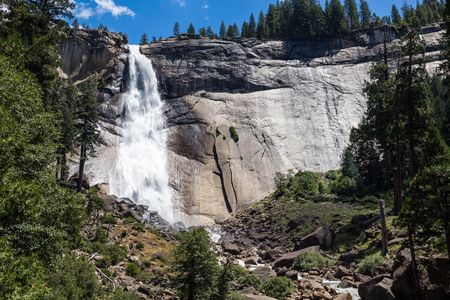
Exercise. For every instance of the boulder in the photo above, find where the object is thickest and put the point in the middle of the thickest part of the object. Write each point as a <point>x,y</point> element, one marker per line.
<point>126,281</point>
<point>258,297</point>
<point>365,288</point>
<point>342,271</point>
<point>233,249</point>
<point>345,296</point>
<point>287,260</point>
<point>264,273</point>
<point>323,237</point>
<point>436,292</point>
<point>345,283</point>
<point>381,291</point>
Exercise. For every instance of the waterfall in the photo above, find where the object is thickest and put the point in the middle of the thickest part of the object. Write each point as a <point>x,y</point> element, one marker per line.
<point>140,171</point>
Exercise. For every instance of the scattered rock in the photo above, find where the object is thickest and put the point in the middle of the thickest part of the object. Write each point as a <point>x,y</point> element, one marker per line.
<point>323,237</point>
<point>342,271</point>
<point>232,249</point>
<point>287,259</point>
<point>264,273</point>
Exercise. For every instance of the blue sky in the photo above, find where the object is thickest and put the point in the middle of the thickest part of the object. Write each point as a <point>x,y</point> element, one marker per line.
<point>157,17</point>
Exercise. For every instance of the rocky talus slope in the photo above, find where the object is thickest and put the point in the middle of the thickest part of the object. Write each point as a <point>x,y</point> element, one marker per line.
<point>292,104</point>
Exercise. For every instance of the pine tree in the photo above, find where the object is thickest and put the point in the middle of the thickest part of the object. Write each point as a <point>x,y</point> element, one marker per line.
<point>244,30</point>
<point>337,22</point>
<point>230,31</point>
<point>202,32</point>
<point>191,29</point>
<point>144,39</point>
<point>176,29</point>
<point>88,135</point>
<point>286,19</point>
<point>252,27</point>
<point>209,32</point>
<point>395,15</point>
<point>365,13</point>
<point>301,18</point>
<point>222,30</point>
<point>236,30</point>
<point>352,12</point>
<point>261,25</point>
<point>75,24</point>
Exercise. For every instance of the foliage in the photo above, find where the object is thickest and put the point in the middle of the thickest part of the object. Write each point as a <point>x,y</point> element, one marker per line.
<point>73,278</point>
<point>222,282</point>
<point>176,29</point>
<point>132,269</point>
<point>139,245</point>
<point>139,227</point>
<point>100,235</point>
<point>252,280</point>
<point>277,287</point>
<point>234,134</point>
<point>144,39</point>
<point>369,264</point>
<point>108,220</point>
<point>124,295</point>
<point>195,264</point>
<point>239,271</point>
<point>306,261</point>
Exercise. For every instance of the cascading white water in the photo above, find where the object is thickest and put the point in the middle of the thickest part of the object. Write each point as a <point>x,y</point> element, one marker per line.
<point>140,172</point>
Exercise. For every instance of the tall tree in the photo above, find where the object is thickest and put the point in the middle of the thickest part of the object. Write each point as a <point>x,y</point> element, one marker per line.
<point>352,12</point>
<point>301,18</point>
<point>144,39</point>
<point>230,31</point>
<point>191,29</point>
<point>202,31</point>
<point>209,32</point>
<point>88,135</point>
<point>261,25</point>
<point>176,29</point>
<point>252,27</point>
<point>395,15</point>
<point>196,265</point>
<point>336,21</point>
<point>236,32</point>
<point>365,13</point>
<point>244,29</point>
<point>222,30</point>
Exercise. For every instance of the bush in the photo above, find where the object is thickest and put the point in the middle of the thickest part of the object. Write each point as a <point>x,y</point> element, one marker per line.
<point>116,252</point>
<point>138,227</point>
<point>277,287</point>
<point>234,134</point>
<point>132,269</point>
<point>124,295</point>
<point>108,220</point>
<point>140,245</point>
<point>239,271</point>
<point>252,280</point>
<point>100,235</point>
<point>369,264</point>
<point>306,261</point>
<point>104,262</point>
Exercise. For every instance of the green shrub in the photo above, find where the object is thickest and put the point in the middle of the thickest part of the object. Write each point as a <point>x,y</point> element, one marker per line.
<point>124,295</point>
<point>146,263</point>
<point>306,261</point>
<point>124,233</point>
<point>100,235</point>
<point>277,287</point>
<point>234,134</point>
<point>140,245</point>
<point>138,227</point>
<point>252,280</point>
<point>236,296</point>
<point>132,269</point>
<point>239,271</point>
<point>116,252</point>
<point>369,264</point>
<point>108,220</point>
<point>98,247</point>
<point>104,262</point>
<point>106,272</point>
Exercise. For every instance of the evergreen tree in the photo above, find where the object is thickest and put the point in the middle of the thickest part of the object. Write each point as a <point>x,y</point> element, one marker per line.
<point>176,29</point>
<point>318,19</point>
<point>286,19</point>
<point>209,32</point>
<point>302,22</point>
<point>244,30</point>
<point>336,21</point>
<point>230,31</point>
<point>153,39</point>
<point>273,21</point>
<point>222,30</point>
<point>235,30</point>
<point>144,39</point>
<point>407,11</point>
<point>75,24</point>
<point>202,32</point>
<point>365,13</point>
<point>101,27</point>
<point>88,135</point>
<point>261,25</point>
<point>252,27</point>
<point>196,265</point>
<point>191,29</point>
<point>395,15</point>
<point>352,12</point>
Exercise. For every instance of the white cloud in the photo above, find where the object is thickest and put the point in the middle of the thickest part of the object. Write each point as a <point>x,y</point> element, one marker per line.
<point>108,6</point>
<point>82,11</point>
<point>205,6</point>
<point>180,2</point>
<point>206,18</point>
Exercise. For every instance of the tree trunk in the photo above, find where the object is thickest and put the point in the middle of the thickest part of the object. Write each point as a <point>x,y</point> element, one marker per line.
<point>397,178</point>
<point>384,238</point>
<point>81,168</point>
<point>414,264</point>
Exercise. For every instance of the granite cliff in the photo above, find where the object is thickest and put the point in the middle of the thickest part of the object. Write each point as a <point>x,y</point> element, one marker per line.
<point>291,103</point>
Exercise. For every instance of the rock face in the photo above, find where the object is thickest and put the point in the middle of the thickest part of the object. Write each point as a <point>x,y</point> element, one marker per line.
<point>292,104</point>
